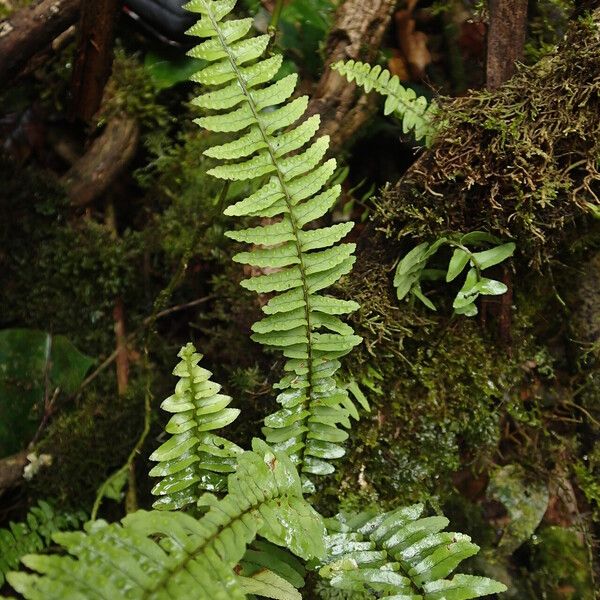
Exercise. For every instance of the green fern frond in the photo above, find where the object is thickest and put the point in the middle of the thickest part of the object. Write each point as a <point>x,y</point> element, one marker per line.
<point>264,555</point>
<point>165,555</point>
<point>401,555</point>
<point>193,459</point>
<point>275,143</point>
<point>33,534</point>
<point>414,111</point>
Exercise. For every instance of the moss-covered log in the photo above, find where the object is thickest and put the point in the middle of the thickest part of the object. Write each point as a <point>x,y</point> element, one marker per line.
<point>521,161</point>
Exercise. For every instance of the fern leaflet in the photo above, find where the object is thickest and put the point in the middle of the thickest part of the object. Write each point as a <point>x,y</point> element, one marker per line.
<point>401,555</point>
<point>193,459</point>
<point>33,534</point>
<point>165,555</point>
<point>274,142</point>
<point>414,111</point>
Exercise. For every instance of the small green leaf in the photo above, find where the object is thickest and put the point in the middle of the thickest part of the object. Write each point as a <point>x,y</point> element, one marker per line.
<point>479,237</point>
<point>491,287</point>
<point>468,293</point>
<point>494,256</point>
<point>470,310</point>
<point>458,262</point>
<point>416,290</point>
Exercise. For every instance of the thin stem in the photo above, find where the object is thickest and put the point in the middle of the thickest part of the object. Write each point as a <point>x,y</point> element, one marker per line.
<point>275,16</point>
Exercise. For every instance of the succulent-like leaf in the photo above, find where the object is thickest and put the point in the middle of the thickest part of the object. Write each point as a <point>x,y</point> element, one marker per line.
<point>193,459</point>
<point>401,554</point>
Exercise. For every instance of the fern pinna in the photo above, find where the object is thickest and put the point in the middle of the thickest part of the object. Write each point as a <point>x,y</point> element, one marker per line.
<point>401,555</point>
<point>167,554</point>
<point>273,142</point>
<point>415,113</point>
<point>193,459</point>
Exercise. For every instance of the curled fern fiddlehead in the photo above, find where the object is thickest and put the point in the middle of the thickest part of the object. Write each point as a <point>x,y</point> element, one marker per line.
<point>414,111</point>
<point>274,142</point>
<point>193,459</point>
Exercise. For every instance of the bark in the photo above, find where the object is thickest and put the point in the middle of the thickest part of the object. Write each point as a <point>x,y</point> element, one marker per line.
<point>11,470</point>
<point>359,27</point>
<point>31,30</point>
<point>94,55</point>
<point>506,39</point>
<point>109,154</point>
<point>505,46</point>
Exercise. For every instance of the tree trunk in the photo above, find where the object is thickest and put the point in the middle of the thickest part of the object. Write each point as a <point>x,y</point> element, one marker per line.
<point>30,30</point>
<point>506,39</point>
<point>358,29</point>
<point>94,55</point>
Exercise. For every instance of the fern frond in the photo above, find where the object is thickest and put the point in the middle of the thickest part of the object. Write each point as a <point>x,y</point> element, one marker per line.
<point>193,459</point>
<point>264,555</point>
<point>414,111</point>
<point>164,555</point>
<point>33,534</point>
<point>400,554</point>
<point>275,143</point>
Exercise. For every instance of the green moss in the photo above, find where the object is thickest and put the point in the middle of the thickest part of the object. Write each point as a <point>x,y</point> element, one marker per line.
<point>88,442</point>
<point>520,161</point>
<point>131,91</point>
<point>561,565</point>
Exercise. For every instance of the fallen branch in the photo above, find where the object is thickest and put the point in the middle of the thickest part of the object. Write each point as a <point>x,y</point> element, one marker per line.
<point>30,30</point>
<point>108,155</point>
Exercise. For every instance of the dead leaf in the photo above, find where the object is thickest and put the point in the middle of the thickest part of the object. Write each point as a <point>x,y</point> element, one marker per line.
<point>413,43</point>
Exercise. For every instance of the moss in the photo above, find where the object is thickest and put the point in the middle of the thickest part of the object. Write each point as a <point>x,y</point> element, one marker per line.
<point>561,565</point>
<point>442,385</point>
<point>131,91</point>
<point>520,161</point>
<point>88,442</point>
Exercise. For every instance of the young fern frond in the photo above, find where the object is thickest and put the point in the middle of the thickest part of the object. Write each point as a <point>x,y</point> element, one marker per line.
<point>33,534</point>
<point>165,555</point>
<point>274,142</point>
<point>399,554</point>
<point>414,111</point>
<point>193,460</point>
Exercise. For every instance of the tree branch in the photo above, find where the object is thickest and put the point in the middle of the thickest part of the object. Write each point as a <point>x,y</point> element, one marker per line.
<point>359,27</point>
<point>31,30</point>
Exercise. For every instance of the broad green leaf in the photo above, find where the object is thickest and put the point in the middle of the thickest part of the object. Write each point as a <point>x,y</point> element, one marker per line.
<point>468,293</point>
<point>490,287</point>
<point>411,261</point>
<point>479,237</point>
<point>33,365</point>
